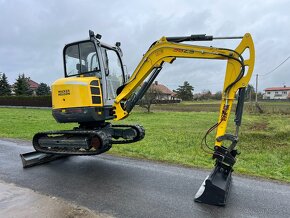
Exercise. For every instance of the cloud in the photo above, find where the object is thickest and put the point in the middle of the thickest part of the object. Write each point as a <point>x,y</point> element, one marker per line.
<point>33,34</point>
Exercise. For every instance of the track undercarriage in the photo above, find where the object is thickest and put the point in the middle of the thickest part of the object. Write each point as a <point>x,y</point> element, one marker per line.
<point>87,139</point>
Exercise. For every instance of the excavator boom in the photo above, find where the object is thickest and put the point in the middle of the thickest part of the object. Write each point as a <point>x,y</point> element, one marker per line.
<point>215,188</point>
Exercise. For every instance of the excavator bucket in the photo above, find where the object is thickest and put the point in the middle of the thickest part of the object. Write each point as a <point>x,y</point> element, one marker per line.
<point>36,158</point>
<point>215,188</point>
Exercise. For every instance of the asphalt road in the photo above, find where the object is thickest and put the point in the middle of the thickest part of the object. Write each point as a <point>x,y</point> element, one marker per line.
<point>131,188</point>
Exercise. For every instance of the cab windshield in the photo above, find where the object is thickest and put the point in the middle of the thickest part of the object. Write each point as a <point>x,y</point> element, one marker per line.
<point>81,58</point>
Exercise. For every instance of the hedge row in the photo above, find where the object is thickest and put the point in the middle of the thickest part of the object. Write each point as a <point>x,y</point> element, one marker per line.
<point>32,101</point>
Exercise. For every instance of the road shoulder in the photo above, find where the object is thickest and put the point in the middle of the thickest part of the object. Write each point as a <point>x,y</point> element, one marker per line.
<point>22,202</point>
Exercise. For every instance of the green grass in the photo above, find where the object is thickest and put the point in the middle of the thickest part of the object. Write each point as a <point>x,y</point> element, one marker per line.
<point>174,137</point>
<point>24,123</point>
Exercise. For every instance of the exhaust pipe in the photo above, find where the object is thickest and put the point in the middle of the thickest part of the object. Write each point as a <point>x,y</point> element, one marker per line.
<point>36,158</point>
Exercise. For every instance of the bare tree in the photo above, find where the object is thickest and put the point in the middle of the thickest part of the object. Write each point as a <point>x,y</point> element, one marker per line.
<point>149,98</point>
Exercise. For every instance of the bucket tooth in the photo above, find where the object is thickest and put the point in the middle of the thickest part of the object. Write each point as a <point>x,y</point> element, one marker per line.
<point>215,188</point>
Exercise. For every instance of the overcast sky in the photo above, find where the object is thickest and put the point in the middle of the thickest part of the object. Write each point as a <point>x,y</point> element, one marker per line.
<point>33,33</point>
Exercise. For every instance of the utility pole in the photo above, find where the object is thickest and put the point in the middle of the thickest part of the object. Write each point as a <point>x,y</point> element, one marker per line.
<point>256,88</point>
<point>260,110</point>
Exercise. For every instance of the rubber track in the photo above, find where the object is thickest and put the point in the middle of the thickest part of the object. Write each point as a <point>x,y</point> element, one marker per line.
<point>103,134</point>
<point>140,134</point>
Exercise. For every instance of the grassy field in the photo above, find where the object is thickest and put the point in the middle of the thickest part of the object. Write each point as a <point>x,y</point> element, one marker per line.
<point>175,137</point>
<point>269,107</point>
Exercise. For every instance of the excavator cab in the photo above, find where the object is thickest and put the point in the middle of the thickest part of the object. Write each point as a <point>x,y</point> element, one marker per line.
<point>93,73</point>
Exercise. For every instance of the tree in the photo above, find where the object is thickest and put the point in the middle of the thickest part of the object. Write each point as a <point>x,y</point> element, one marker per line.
<point>250,93</point>
<point>206,95</point>
<point>4,85</point>
<point>260,95</point>
<point>149,98</point>
<point>217,95</point>
<point>185,92</point>
<point>43,89</point>
<point>21,86</point>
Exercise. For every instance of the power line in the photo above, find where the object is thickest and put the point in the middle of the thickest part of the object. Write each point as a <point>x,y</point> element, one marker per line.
<point>279,65</point>
<point>276,67</point>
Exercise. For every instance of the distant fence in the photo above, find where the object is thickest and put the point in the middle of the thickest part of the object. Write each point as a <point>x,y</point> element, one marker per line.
<point>166,101</point>
<point>269,107</point>
<point>274,100</point>
<point>32,101</point>
<point>196,107</point>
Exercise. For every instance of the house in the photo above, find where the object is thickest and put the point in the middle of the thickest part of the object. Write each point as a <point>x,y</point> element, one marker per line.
<point>32,85</point>
<point>164,93</point>
<point>277,93</point>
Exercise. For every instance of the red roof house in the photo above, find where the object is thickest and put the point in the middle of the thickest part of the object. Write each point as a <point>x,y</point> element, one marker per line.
<point>164,92</point>
<point>277,93</point>
<point>32,84</point>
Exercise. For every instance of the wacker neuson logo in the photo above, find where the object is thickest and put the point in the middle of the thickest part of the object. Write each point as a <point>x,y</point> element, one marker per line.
<point>63,92</point>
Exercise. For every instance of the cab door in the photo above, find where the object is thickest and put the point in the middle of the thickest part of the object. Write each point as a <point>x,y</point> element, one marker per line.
<point>114,73</point>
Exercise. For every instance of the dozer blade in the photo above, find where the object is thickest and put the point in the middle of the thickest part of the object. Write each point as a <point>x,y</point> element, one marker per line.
<point>215,188</point>
<point>36,158</point>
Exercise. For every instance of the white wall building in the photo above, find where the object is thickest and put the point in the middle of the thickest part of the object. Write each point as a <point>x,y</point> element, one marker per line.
<point>277,93</point>
<point>164,93</point>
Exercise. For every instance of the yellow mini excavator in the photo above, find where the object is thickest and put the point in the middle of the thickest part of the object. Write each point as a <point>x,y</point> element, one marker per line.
<point>95,89</point>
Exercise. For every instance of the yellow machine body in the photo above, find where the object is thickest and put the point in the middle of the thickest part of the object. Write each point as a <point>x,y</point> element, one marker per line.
<point>79,99</point>
<point>74,92</point>
<point>96,89</point>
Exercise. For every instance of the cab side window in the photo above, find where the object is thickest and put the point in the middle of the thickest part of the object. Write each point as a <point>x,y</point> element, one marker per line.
<point>114,72</point>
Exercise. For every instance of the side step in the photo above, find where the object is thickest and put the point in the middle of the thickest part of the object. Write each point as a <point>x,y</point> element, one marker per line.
<point>36,158</point>
<point>215,188</point>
